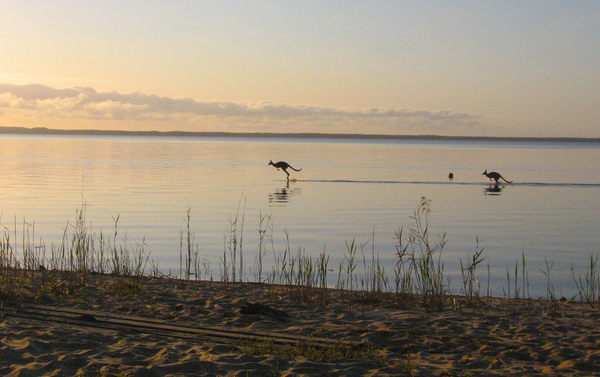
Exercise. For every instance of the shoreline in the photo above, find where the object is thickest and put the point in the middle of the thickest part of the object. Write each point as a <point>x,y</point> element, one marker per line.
<point>494,336</point>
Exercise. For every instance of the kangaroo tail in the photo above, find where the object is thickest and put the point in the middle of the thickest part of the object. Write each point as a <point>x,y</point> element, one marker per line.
<point>295,169</point>
<point>506,180</point>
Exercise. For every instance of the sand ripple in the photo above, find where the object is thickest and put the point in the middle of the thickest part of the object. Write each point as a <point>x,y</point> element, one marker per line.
<point>497,337</point>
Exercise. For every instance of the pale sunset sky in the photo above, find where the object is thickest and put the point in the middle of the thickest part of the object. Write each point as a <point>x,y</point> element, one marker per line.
<point>455,68</point>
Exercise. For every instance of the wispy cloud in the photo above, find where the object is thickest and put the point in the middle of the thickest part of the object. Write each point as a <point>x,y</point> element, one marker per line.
<point>41,101</point>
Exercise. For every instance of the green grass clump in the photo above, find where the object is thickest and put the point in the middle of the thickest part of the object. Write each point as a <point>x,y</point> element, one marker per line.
<point>335,351</point>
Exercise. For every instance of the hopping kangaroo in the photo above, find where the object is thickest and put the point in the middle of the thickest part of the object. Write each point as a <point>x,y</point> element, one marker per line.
<point>495,176</point>
<point>283,165</point>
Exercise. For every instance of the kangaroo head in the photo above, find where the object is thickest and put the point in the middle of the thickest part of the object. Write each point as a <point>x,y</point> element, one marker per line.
<point>270,162</point>
<point>485,172</point>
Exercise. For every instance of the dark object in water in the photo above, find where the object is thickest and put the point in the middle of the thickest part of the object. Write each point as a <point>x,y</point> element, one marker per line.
<point>451,176</point>
<point>494,176</point>
<point>283,166</point>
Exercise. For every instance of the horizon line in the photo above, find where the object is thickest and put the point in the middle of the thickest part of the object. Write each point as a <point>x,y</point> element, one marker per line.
<point>306,135</point>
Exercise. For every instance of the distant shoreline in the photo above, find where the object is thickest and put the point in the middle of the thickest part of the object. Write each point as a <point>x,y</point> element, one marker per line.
<point>306,135</point>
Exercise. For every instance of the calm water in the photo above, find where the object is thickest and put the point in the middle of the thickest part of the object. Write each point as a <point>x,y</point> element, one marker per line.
<point>362,190</point>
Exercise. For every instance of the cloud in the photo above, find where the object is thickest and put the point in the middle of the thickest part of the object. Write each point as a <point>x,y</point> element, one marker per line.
<point>39,101</point>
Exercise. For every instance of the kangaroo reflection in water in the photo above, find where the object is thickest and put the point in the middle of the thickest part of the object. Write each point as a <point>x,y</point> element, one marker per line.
<point>493,189</point>
<point>283,195</point>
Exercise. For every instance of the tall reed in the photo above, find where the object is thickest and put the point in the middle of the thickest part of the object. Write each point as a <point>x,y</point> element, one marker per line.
<point>375,277</point>
<point>8,257</point>
<point>420,268</point>
<point>189,251</point>
<point>588,287</point>
<point>549,266</point>
<point>233,245</point>
<point>469,279</point>
<point>265,234</point>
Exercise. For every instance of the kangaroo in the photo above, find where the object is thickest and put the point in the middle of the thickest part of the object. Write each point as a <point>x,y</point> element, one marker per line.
<point>495,176</point>
<point>283,165</point>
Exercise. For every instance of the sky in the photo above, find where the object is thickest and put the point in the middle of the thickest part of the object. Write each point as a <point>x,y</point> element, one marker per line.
<point>456,68</point>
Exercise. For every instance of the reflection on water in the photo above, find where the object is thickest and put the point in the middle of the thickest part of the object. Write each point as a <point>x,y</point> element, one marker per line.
<point>493,189</point>
<point>283,195</point>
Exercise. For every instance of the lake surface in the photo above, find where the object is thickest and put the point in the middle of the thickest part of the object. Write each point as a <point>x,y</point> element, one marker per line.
<point>361,190</point>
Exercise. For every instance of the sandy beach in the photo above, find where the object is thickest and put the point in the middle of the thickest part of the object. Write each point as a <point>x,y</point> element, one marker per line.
<point>369,337</point>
